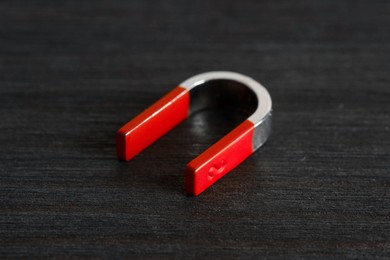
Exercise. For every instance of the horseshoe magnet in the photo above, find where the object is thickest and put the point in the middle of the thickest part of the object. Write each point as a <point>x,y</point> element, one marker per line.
<point>212,89</point>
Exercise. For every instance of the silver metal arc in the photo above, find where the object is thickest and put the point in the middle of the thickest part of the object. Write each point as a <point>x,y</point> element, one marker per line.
<point>262,115</point>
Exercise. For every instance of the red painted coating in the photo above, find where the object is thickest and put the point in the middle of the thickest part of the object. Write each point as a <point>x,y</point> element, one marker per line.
<point>219,159</point>
<point>152,123</point>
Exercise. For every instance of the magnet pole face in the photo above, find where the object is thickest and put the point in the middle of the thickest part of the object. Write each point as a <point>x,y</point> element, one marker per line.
<point>211,89</point>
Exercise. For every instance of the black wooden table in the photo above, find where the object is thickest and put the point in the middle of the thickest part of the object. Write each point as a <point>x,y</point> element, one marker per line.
<point>72,72</point>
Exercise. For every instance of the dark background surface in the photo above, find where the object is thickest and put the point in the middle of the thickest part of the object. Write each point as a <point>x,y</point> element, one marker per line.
<point>72,72</point>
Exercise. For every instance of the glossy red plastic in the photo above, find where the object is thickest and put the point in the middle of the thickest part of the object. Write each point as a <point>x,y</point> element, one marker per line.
<point>219,159</point>
<point>152,123</point>
<point>165,114</point>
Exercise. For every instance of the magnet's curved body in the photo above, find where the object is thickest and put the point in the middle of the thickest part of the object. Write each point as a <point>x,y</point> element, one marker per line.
<point>220,89</point>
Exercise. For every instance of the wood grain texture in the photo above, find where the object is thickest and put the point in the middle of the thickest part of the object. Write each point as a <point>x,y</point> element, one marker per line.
<point>72,72</point>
